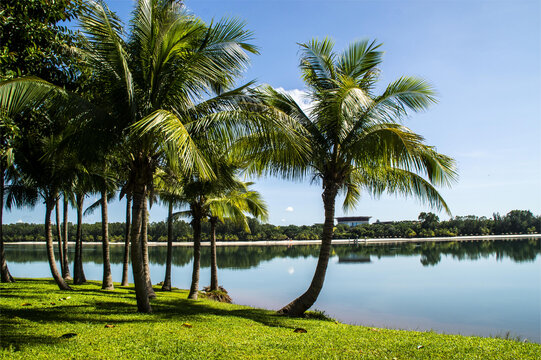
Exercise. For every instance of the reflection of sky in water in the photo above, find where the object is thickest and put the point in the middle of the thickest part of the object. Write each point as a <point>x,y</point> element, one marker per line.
<point>488,296</point>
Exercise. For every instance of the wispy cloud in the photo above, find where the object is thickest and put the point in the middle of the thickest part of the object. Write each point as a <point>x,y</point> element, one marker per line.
<point>300,97</point>
<point>289,209</point>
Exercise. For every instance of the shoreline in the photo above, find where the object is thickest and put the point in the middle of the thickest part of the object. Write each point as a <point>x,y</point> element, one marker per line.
<point>377,241</point>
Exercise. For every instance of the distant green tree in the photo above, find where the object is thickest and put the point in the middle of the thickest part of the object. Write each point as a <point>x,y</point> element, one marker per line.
<point>428,220</point>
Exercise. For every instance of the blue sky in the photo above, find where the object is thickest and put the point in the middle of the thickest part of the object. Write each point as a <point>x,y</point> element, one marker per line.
<point>483,57</point>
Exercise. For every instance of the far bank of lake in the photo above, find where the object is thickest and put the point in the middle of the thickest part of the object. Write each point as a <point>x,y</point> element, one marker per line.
<point>388,240</point>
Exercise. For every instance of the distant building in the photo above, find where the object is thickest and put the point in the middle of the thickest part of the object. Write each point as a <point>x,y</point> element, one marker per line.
<point>353,220</point>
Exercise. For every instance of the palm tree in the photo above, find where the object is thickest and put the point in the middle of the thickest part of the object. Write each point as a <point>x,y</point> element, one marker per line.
<point>59,237</point>
<point>354,139</point>
<point>195,193</point>
<point>9,132</point>
<point>65,259</point>
<point>125,262</point>
<point>169,59</point>
<point>48,173</point>
<point>78,271</point>
<point>233,204</point>
<point>16,97</point>
<point>169,188</point>
<point>105,188</point>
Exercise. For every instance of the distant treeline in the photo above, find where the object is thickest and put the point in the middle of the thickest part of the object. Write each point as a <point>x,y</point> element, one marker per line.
<point>428,225</point>
<point>246,257</point>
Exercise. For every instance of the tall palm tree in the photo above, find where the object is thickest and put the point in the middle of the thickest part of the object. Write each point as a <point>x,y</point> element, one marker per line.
<point>196,191</point>
<point>9,132</point>
<point>355,139</point>
<point>59,237</point>
<point>65,260</point>
<point>48,174</point>
<point>125,262</point>
<point>78,271</point>
<point>169,188</point>
<point>169,59</point>
<point>105,188</point>
<point>233,204</point>
<point>16,97</point>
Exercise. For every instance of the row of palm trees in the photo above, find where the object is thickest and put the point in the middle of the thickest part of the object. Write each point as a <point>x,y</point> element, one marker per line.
<point>159,118</point>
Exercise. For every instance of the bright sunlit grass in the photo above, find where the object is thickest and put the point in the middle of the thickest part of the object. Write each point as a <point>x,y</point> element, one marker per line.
<point>38,321</point>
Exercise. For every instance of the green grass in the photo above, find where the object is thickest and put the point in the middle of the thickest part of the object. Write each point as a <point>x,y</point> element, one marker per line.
<point>181,328</point>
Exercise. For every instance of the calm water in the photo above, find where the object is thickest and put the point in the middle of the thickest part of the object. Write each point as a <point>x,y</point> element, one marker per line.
<point>470,288</point>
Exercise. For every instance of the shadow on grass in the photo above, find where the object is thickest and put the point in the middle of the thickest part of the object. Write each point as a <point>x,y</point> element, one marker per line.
<point>175,307</point>
<point>90,304</point>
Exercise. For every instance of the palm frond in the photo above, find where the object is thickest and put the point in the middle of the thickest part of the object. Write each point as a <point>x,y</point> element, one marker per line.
<point>17,95</point>
<point>166,124</point>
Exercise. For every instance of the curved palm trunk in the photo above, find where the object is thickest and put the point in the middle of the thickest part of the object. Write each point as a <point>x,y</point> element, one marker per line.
<point>49,204</point>
<point>144,249</point>
<point>213,262</point>
<point>78,272</point>
<point>107,283</point>
<point>141,289</point>
<point>167,281</point>
<point>196,225</point>
<point>298,306</point>
<point>66,275</point>
<point>59,235</point>
<point>4,271</point>
<point>125,265</point>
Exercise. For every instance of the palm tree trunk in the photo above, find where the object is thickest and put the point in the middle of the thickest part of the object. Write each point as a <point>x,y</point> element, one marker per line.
<point>144,249</point>
<point>125,265</point>
<point>298,306</point>
<point>213,263</point>
<point>78,272</point>
<point>66,275</point>
<point>196,225</point>
<point>59,235</point>
<point>167,281</point>
<point>141,289</point>
<point>5,274</point>
<point>49,204</point>
<point>107,283</point>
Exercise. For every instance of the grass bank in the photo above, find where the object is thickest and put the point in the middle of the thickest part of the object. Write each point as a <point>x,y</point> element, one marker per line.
<point>38,321</point>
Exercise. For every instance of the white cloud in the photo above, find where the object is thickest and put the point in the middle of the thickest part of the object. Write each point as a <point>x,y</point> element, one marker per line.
<point>289,209</point>
<point>300,97</point>
<point>20,221</point>
<point>291,271</point>
<point>283,220</point>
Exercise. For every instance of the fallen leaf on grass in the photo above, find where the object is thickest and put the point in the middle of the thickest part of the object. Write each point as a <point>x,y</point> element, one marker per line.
<point>300,330</point>
<point>376,330</point>
<point>68,336</point>
<point>26,304</point>
<point>420,347</point>
<point>187,325</point>
<point>109,326</point>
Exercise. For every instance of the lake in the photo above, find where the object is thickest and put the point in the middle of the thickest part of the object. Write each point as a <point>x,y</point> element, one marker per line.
<point>487,288</point>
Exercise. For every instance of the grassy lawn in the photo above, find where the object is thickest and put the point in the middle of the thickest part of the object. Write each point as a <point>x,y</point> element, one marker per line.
<point>33,320</point>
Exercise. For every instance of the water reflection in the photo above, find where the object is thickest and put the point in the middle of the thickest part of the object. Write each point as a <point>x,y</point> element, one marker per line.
<point>246,257</point>
<point>478,287</point>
